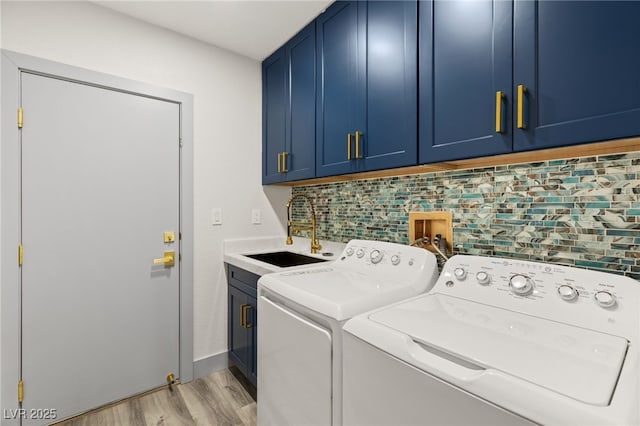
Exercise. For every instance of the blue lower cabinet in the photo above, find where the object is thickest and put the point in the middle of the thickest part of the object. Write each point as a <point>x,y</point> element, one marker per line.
<point>366,101</point>
<point>576,67</point>
<point>242,321</point>
<point>465,79</point>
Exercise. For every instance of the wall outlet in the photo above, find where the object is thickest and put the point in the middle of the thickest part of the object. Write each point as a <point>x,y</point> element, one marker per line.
<point>256,216</point>
<point>216,216</point>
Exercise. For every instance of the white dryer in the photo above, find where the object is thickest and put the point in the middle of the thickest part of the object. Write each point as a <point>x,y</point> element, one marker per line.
<point>499,342</point>
<point>300,318</point>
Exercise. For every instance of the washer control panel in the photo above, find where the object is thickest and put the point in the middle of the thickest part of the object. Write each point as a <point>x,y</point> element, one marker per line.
<point>583,297</point>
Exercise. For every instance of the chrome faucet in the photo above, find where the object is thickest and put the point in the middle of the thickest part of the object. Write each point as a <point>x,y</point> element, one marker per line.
<point>302,226</point>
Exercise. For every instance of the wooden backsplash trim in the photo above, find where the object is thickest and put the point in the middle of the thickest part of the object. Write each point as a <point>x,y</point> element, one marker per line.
<point>587,150</point>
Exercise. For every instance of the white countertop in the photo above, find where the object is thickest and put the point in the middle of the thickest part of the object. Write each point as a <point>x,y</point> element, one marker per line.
<point>235,249</point>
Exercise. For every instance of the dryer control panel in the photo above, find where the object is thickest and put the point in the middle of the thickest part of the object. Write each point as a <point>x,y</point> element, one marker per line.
<point>592,299</point>
<point>397,260</point>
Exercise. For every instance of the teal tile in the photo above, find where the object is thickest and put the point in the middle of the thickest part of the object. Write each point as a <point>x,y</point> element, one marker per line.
<point>491,206</point>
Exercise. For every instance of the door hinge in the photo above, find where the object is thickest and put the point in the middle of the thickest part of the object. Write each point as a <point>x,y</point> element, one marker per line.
<point>20,117</point>
<point>20,391</point>
<point>20,255</point>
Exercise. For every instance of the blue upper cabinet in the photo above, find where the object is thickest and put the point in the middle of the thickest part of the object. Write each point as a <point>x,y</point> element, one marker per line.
<point>300,53</point>
<point>288,93</point>
<point>577,67</point>
<point>341,86</point>
<point>391,137</point>
<point>465,64</point>
<point>366,110</point>
<point>273,116</point>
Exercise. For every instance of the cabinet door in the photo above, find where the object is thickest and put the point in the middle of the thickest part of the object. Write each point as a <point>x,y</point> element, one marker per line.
<point>240,345</point>
<point>273,116</point>
<point>340,98</point>
<point>464,60</point>
<point>301,107</point>
<point>579,63</point>
<point>390,139</point>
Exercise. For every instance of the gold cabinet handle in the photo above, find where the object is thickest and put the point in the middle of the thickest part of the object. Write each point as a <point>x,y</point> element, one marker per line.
<point>244,315</point>
<point>499,97</point>
<point>349,146</point>
<point>242,309</point>
<point>168,260</point>
<point>520,120</point>
<point>247,324</point>
<point>284,162</point>
<point>358,136</point>
<point>279,162</point>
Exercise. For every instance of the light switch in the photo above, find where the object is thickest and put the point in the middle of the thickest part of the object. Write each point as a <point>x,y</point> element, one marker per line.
<point>216,216</point>
<point>255,216</point>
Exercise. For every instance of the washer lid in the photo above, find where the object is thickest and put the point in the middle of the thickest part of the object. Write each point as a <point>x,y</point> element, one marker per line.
<point>576,362</point>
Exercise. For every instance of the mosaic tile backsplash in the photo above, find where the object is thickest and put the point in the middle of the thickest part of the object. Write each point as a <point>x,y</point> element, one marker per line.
<point>582,212</point>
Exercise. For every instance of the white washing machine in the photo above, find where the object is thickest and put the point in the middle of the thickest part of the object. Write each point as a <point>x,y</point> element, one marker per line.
<point>499,342</point>
<point>300,318</point>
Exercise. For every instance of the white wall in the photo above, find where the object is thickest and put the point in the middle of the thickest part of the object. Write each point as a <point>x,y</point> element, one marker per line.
<point>227,124</point>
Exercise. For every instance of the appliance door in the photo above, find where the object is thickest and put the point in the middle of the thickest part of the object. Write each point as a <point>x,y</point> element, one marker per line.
<point>294,368</point>
<point>382,390</point>
<point>575,362</point>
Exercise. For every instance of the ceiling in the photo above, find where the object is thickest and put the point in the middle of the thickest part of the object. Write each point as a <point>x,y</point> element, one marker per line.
<point>253,28</point>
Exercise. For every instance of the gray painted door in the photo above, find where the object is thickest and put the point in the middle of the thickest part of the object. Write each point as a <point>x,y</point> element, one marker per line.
<point>100,186</point>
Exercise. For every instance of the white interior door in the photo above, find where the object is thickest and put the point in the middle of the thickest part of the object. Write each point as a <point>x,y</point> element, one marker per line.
<point>100,186</point>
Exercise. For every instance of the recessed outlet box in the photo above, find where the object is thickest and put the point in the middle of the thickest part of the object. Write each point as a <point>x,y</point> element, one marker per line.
<point>423,224</point>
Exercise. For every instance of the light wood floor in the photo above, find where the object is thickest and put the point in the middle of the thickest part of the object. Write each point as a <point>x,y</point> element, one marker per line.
<point>218,399</point>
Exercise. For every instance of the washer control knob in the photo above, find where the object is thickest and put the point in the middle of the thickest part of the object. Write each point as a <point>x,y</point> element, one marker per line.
<point>460,273</point>
<point>483,278</point>
<point>605,299</point>
<point>521,285</point>
<point>567,292</point>
<point>360,253</point>
<point>376,256</point>
<point>349,251</point>
<point>395,259</point>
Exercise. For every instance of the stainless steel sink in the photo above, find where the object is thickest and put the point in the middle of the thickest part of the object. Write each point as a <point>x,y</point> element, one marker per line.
<point>285,259</point>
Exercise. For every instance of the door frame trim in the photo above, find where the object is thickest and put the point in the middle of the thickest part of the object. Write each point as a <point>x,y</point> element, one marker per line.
<point>12,65</point>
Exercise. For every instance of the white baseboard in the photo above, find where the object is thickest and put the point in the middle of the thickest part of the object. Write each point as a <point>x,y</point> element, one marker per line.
<point>210,364</point>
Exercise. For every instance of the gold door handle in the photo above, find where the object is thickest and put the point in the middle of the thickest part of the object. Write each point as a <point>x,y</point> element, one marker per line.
<point>284,162</point>
<point>499,97</point>
<point>349,146</point>
<point>520,120</point>
<point>168,260</point>
<point>279,162</point>
<point>358,136</point>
